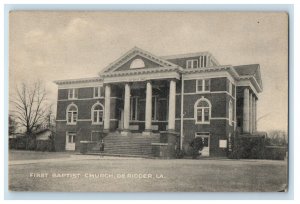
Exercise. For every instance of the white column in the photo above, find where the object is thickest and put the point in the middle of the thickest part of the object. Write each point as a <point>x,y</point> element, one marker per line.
<point>172,105</point>
<point>148,114</point>
<point>250,113</point>
<point>107,108</point>
<point>253,113</point>
<point>246,111</point>
<point>127,106</point>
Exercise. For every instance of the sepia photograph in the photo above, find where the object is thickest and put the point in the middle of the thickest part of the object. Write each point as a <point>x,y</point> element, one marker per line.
<point>111,101</point>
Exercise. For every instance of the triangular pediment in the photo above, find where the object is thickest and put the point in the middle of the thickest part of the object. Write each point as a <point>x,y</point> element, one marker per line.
<point>137,58</point>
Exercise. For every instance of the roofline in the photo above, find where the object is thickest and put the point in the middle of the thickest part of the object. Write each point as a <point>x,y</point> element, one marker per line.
<point>193,54</point>
<point>134,49</point>
<point>78,80</point>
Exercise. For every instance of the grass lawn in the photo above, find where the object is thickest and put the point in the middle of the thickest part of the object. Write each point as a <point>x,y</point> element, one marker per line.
<point>29,155</point>
<point>90,174</point>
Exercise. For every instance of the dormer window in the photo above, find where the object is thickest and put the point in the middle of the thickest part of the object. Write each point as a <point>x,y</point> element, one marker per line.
<point>137,63</point>
<point>192,63</point>
<point>203,61</point>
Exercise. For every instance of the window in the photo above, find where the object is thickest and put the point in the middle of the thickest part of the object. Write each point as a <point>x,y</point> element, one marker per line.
<point>71,137</point>
<point>97,113</point>
<point>137,63</point>
<point>133,108</point>
<point>204,136</point>
<point>72,113</point>
<point>73,94</point>
<point>97,91</point>
<point>154,108</point>
<point>230,110</point>
<point>202,111</point>
<point>192,63</point>
<point>203,85</point>
<point>203,60</point>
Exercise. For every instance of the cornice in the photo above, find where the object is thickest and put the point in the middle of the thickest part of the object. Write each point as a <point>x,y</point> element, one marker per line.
<point>80,80</point>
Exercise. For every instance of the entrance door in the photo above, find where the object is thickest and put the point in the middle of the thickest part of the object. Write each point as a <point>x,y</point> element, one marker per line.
<point>205,150</point>
<point>206,140</point>
<point>70,141</point>
<point>121,119</point>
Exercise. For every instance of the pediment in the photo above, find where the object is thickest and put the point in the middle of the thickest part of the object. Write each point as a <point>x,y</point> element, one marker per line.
<point>137,58</point>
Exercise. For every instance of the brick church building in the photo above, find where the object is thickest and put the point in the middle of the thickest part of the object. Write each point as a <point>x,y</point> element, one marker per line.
<point>141,101</point>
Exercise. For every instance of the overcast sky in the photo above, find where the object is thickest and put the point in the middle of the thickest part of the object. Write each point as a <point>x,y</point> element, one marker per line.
<point>64,45</point>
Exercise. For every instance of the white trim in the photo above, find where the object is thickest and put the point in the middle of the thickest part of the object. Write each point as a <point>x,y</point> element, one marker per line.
<point>98,92</point>
<point>246,82</point>
<point>74,92</point>
<point>79,85</point>
<point>72,119</point>
<point>211,74</point>
<point>192,63</point>
<point>92,114</point>
<point>133,53</point>
<point>81,99</point>
<point>142,77</point>
<point>212,92</point>
<point>202,110</point>
<point>203,85</point>
<point>215,118</point>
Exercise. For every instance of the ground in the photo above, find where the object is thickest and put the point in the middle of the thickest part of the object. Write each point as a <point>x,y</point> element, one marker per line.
<point>44,171</point>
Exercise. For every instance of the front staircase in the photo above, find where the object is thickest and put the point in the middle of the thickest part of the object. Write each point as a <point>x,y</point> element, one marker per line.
<point>134,144</point>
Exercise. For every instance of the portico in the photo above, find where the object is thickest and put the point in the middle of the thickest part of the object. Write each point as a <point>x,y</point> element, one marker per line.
<point>145,106</point>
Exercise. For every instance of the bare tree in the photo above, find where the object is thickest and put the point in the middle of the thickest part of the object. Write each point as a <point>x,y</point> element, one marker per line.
<point>30,107</point>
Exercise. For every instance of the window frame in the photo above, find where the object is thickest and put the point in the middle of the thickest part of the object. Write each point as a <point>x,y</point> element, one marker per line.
<point>73,136</point>
<point>192,63</point>
<point>203,85</point>
<point>72,114</point>
<point>98,92</point>
<point>196,108</point>
<point>73,93</point>
<point>98,114</point>
<point>136,98</point>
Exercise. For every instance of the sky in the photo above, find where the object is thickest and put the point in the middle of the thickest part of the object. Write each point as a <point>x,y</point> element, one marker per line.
<point>52,45</point>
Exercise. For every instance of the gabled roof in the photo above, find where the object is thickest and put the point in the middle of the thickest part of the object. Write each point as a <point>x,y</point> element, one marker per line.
<point>132,53</point>
<point>250,70</point>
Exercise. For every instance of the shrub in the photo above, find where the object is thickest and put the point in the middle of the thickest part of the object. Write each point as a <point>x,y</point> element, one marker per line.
<point>197,146</point>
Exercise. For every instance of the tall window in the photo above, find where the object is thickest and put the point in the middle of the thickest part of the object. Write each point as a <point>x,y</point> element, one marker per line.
<point>97,91</point>
<point>203,61</point>
<point>230,110</point>
<point>73,94</point>
<point>72,114</point>
<point>133,108</point>
<point>192,63</point>
<point>203,85</point>
<point>154,107</point>
<point>97,113</point>
<point>202,111</point>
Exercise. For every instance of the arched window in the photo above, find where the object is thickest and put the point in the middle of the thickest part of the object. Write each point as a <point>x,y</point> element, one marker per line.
<point>97,113</point>
<point>137,63</point>
<point>230,110</point>
<point>202,111</point>
<point>72,114</point>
